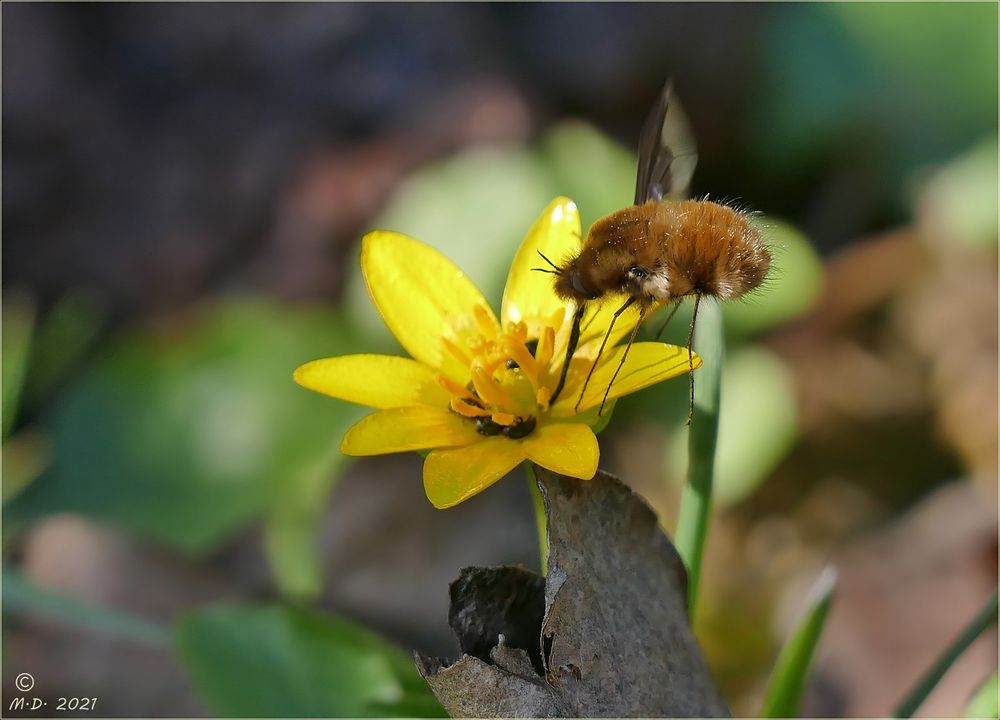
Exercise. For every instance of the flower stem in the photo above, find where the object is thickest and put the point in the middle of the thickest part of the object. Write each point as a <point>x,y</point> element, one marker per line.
<point>540,521</point>
<point>696,498</point>
<point>915,698</point>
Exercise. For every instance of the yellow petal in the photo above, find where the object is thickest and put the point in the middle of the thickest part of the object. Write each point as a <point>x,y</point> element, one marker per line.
<point>408,428</point>
<point>595,325</point>
<point>422,296</point>
<point>378,381</point>
<point>648,363</point>
<point>451,476</point>
<point>567,449</point>
<point>528,296</point>
<point>593,329</point>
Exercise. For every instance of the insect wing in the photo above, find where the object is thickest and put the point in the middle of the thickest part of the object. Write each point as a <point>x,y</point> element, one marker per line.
<point>667,153</point>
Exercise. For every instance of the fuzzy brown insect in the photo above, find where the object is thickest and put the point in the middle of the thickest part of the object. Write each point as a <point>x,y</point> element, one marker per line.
<point>661,251</point>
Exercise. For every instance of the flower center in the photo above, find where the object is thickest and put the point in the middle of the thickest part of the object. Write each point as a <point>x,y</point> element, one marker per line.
<point>511,381</point>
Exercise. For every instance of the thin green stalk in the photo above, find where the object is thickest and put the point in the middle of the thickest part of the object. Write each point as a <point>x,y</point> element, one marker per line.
<point>22,596</point>
<point>696,498</point>
<point>540,521</point>
<point>788,679</point>
<point>915,698</point>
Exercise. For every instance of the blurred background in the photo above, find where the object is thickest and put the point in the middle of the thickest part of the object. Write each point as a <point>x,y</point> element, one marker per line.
<point>185,188</point>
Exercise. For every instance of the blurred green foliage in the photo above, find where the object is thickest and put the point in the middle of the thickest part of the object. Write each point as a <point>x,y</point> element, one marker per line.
<point>23,596</point>
<point>25,454</point>
<point>187,432</point>
<point>18,326</point>
<point>757,425</point>
<point>476,207</point>
<point>985,702</point>
<point>62,337</point>
<point>963,196</point>
<point>835,76</point>
<point>278,661</point>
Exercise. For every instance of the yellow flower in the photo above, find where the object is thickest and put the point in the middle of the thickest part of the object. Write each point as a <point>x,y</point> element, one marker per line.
<point>478,391</point>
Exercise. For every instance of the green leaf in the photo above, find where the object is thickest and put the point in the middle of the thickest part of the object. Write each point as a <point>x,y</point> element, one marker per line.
<point>276,661</point>
<point>63,335</point>
<point>188,432</point>
<point>984,702</point>
<point>291,529</point>
<point>590,168</point>
<point>961,198</point>
<point>903,85</point>
<point>18,321</point>
<point>24,597</point>
<point>788,680</point>
<point>25,456</point>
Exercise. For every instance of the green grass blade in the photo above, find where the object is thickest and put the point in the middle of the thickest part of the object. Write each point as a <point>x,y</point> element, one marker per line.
<point>22,596</point>
<point>788,680</point>
<point>696,498</point>
<point>915,698</point>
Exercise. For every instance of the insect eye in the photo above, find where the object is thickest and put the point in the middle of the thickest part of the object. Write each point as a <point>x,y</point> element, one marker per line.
<point>577,282</point>
<point>636,273</point>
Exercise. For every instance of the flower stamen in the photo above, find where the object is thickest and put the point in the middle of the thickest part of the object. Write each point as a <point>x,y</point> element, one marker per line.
<point>456,352</point>
<point>486,324</point>
<point>486,389</point>
<point>467,409</point>
<point>454,388</point>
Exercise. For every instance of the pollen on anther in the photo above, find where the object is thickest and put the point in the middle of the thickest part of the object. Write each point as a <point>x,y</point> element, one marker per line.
<point>502,418</point>
<point>466,409</point>
<point>456,389</point>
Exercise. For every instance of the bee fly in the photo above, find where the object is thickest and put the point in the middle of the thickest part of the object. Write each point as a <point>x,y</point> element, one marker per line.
<point>660,251</point>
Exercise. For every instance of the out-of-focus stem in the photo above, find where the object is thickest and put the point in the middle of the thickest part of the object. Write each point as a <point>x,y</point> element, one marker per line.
<point>915,698</point>
<point>696,499</point>
<point>536,499</point>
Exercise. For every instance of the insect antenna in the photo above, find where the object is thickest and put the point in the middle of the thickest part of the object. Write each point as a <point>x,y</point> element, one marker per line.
<point>670,316</point>
<point>574,339</point>
<point>619,311</point>
<point>621,363</point>
<point>694,317</point>
<point>555,268</point>
<point>552,264</point>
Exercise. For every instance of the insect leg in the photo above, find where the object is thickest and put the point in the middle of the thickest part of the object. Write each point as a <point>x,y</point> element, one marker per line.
<point>694,317</point>
<point>670,316</point>
<point>574,338</point>
<point>621,363</point>
<point>619,311</point>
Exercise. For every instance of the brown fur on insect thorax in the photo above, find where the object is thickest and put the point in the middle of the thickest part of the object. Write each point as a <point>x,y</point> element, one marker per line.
<point>662,251</point>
